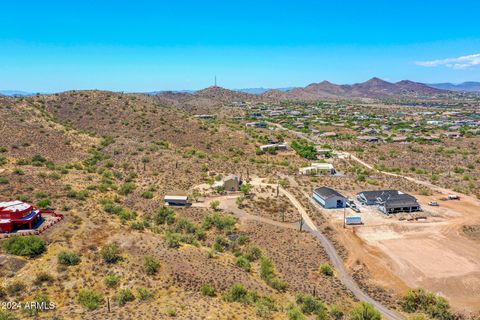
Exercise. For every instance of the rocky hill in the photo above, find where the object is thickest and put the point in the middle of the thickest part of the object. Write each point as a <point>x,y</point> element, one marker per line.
<point>374,88</point>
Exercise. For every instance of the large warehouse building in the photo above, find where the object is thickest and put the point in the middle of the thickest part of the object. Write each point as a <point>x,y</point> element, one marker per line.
<point>329,198</point>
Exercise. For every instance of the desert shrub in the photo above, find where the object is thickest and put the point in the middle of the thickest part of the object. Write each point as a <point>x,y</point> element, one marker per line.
<point>253,253</point>
<point>185,226</point>
<point>124,295</point>
<point>139,225</point>
<point>310,305</point>
<point>246,188</point>
<point>127,188</point>
<point>458,170</point>
<point>68,258</point>
<point>326,269</point>
<point>44,203</point>
<point>294,313</point>
<point>110,207</point>
<point>28,246</point>
<point>79,195</point>
<point>243,263</point>
<point>147,194</point>
<point>242,239</point>
<point>266,268</point>
<point>127,214</point>
<point>111,280</point>
<point>164,215</point>
<point>220,244</point>
<point>42,277</point>
<point>15,288</point>
<point>238,293</point>
<point>6,315</point>
<point>277,284</point>
<point>419,300</point>
<point>215,205</point>
<point>264,307</point>
<point>144,294</point>
<point>111,253</point>
<point>90,299</point>
<point>151,265</point>
<point>38,158</point>
<point>267,273</point>
<point>173,239</point>
<point>172,312</point>
<point>225,223</point>
<point>365,311</point>
<point>207,290</point>
<point>336,313</point>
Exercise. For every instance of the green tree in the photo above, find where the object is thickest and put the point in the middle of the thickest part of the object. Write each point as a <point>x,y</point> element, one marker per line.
<point>305,149</point>
<point>28,246</point>
<point>246,188</point>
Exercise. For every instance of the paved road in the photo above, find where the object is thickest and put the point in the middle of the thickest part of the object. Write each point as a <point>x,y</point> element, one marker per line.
<point>335,259</point>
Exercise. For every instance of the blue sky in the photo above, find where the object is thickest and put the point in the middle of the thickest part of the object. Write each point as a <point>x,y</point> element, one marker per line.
<point>144,45</point>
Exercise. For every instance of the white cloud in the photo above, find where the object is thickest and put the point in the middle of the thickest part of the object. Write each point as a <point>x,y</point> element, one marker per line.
<point>454,63</point>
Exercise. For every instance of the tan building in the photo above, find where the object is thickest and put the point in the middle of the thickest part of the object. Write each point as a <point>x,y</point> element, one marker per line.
<point>232,183</point>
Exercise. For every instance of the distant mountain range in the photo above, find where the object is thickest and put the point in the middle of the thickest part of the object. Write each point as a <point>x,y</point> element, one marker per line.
<point>261,90</point>
<point>15,93</point>
<point>469,86</point>
<point>374,88</point>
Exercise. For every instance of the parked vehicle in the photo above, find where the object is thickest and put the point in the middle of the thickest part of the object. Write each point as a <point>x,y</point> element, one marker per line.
<point>433,203</point>
<point>453,197</point>
<point>353,220</point>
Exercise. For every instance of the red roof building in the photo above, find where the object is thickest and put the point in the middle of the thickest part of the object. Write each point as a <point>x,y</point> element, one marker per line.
<point>16,215</point>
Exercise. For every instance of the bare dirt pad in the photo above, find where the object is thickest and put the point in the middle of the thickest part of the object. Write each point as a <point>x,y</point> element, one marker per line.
<point>434,256</point>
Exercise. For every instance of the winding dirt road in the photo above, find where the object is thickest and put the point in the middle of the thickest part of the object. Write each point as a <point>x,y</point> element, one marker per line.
<point>335,259</point>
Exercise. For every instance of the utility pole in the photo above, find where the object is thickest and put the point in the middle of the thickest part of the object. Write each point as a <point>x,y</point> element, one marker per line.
<point>344,217</point>
<point>301,224</point>
<point>278,189</point>
<point>108,304</point>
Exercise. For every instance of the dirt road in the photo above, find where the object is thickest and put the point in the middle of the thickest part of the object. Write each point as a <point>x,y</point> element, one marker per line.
<point>335,259</point>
